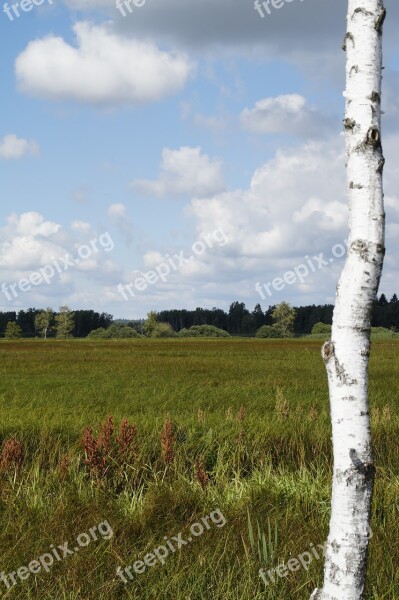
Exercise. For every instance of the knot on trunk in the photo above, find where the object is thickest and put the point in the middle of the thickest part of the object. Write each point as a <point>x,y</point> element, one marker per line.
<point>373,137</point>
<point>375,96</point>
<point>327,351</point>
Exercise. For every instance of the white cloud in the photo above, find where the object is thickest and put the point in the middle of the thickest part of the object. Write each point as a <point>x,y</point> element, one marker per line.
<point>289,114</point>
<point>153,259</point>
<point>331,215</point>
<point>81,226</point>
<point>13,147</point>
<point>295,206</point>
<point>27,240</point>
<point>287,212</point>
<point>32,223</point>
<point>103,68</point>
<point>184,172</point>
<point>117,211</point>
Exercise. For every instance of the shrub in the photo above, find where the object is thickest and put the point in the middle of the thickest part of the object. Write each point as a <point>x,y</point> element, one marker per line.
<point>321,328</point>
<point>163,330</point>
<point>115,332</point>
<point>203,331</point>
<point>187,333</point>
<point>383,333</point>
<point>97,333</point>
<point>269,331</point>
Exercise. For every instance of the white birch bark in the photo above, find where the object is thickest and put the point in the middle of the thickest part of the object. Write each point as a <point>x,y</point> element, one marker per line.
<point>347,353</point>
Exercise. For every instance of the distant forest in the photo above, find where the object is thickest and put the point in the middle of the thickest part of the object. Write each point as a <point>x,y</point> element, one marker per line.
<point>240,321</point>
<point>237,321</point>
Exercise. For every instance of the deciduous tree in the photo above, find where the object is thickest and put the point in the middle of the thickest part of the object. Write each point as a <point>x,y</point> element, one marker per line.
<point>13,331</point>
<point>284,318</point>
<point>151,323</point>
<point>64,322</point>
<point>43,320</point>
<point>347,353</point>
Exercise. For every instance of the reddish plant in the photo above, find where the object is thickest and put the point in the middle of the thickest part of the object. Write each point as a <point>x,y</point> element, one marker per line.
<point>167,442</point>
<point>104,439</point>
<point>95,460</point>
<point>127,446</point>
<point>201,473</point>
<point>12,455</point>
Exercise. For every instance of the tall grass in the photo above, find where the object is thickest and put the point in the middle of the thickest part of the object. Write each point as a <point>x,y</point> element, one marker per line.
<point>152,435</point>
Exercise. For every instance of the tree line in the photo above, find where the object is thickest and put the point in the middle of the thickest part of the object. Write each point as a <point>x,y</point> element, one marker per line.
<point>35,322</point>
<point>238,320</point>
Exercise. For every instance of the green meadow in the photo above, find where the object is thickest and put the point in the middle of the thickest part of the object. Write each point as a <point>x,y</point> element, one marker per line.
<point>239,425</point>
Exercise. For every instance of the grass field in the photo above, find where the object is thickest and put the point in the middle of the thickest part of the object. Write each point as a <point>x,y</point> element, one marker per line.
<point>247,432</point>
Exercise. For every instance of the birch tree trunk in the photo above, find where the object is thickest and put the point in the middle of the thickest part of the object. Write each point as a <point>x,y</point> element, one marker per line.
<point>347,353</point>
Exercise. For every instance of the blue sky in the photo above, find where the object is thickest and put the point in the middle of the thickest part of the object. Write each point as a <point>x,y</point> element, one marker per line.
<point>163,127</point>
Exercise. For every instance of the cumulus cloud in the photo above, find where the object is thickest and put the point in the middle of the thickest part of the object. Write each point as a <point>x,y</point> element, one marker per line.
<point>13,147</point>
<point>287,212</point>
<point>184,172</point>
<point>329,216</point>
<point>103,68</point>
<point>289,114</point>
<point>27,240</point>
<point>295,207</point>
